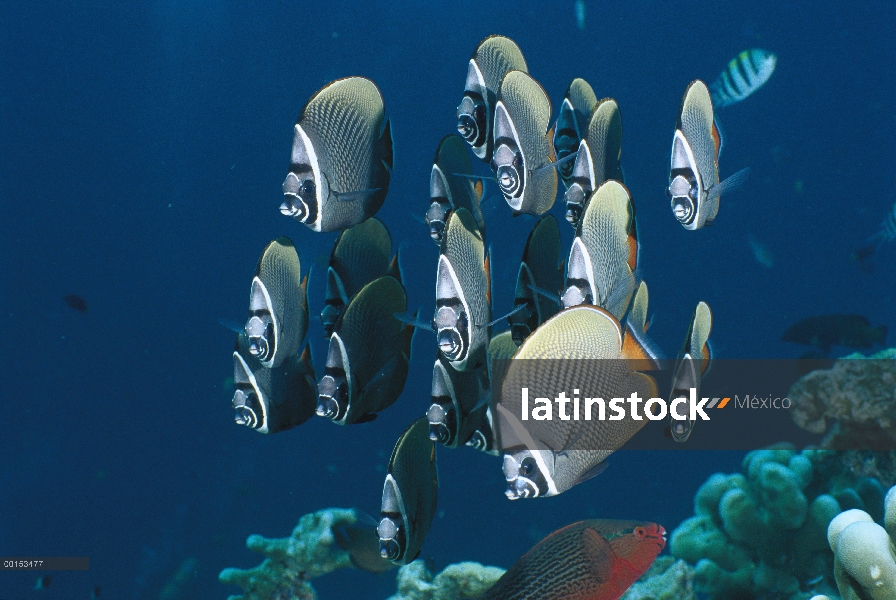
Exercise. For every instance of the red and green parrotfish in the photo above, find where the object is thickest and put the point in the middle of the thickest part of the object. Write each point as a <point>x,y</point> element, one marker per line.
<point>596,559</point>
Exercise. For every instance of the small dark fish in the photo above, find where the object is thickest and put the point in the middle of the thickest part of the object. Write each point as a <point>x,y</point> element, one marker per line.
<point>95,593</point>
<point>410,495</point>
<point>77,302</point>
<point>596,559</point>
<point>43,582</point>
<point>886,233</point>
<point>368,356</point>
<point>824,331</point>
<point>278,305</point>
<point>275,399</point>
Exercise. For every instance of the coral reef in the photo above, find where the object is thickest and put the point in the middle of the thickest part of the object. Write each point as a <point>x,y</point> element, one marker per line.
<point>313,550</point>
<point>865,554</point>
<point>859,395</point>
<point>762,533</point>
<point>457,581</point>
<point>667,579</point>
<point>310,552</point>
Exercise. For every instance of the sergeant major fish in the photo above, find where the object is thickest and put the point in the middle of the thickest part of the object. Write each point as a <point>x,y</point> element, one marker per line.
<point>341,157</point>
<point>746,73</point>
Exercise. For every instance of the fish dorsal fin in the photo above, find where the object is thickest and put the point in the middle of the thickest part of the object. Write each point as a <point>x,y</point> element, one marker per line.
<point>695,121</point>
<point>495,55</point>
<point>584,167</point>
<point>605,140</point>
<point>438,185</point>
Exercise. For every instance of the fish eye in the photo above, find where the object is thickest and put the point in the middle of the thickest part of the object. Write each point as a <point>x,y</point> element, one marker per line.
<point>640,532</point>
<point>527,467</point>
<point>307,189</point>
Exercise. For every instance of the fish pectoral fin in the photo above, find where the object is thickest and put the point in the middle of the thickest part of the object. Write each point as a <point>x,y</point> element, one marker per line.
<point>355,195</point>
<point>502,317</point>
<point>731,183</point>
<point>386,386</point>
<point>593,472</point>
<point>476,177</point>
<point>556,164</point>
<point>600,555</point>
<point>233,325</point>
<point>546,293</point>
<point>413,320</point>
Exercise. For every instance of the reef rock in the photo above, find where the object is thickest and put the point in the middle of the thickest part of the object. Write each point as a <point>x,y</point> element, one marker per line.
<point>858,394</point>
<point>667,579</point>
<point>457,581</point>
<point>292,562</point>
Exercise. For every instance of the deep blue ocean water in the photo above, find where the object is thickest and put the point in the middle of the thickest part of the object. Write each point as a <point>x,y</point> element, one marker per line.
<point>142,148</point>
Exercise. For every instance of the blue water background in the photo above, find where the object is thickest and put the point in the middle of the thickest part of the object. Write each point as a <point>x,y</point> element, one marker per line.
<point>142,148</point>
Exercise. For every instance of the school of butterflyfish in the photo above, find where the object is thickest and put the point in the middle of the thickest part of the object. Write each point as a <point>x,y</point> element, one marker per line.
<point>584,308</point>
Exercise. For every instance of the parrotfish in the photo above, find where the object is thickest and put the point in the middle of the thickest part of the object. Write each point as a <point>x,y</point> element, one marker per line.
<point>596,559</point>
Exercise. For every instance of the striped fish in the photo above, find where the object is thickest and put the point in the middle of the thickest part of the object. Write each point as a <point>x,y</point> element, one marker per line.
<point>746,73</point>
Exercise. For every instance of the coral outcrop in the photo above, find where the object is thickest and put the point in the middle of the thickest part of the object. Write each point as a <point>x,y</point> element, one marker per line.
<point>291,562</point>
<point>455,582</point>
<point>865,554</point>
<point>762,533</point>
<point>857,396</point>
